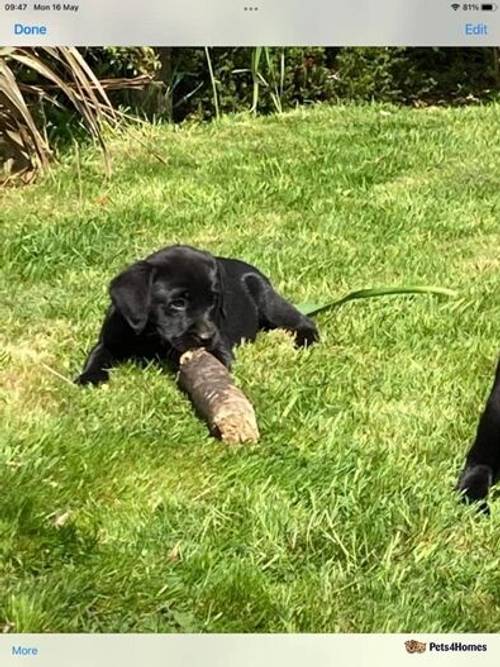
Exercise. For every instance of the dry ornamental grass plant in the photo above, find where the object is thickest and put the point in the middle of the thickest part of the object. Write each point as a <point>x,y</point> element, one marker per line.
<point>24,146</point>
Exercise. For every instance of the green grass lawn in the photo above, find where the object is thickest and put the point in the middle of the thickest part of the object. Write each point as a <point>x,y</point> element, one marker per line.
<point>119,513</point>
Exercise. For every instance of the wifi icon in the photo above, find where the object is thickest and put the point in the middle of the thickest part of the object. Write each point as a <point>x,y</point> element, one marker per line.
<point>455,6</point>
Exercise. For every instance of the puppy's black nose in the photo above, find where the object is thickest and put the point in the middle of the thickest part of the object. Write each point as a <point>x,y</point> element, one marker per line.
<point>205,332</point>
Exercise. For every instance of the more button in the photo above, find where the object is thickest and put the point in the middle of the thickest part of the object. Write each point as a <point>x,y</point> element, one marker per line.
<point>24,651</point>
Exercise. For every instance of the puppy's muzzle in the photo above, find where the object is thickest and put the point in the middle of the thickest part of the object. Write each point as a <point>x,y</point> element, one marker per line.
<point>205,332</point>
<point>202,333</point>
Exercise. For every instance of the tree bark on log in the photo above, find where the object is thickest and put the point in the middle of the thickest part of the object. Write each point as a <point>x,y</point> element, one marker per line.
<point>229,414</point>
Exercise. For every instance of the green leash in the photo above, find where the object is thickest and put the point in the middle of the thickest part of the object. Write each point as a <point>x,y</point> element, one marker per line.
<point>314,308</point>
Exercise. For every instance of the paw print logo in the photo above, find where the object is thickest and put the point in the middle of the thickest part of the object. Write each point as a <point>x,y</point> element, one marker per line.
<point>413,646</point>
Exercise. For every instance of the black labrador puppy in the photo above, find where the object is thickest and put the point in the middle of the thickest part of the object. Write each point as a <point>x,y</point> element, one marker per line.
<point>482,464</point>
<point>181,298</point>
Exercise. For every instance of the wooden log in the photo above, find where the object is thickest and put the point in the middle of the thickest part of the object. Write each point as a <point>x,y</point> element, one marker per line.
<point>229,414</point>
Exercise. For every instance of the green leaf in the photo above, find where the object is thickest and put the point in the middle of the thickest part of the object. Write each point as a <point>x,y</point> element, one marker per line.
<point>314,308</point>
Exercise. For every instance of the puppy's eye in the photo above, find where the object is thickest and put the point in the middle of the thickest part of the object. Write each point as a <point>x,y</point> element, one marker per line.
<point>178,304</point>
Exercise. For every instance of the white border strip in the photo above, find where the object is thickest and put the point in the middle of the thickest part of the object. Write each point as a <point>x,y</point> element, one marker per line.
<point>247,650</point>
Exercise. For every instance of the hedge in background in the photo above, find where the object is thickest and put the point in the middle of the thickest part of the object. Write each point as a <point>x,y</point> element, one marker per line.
<point>183,87</point>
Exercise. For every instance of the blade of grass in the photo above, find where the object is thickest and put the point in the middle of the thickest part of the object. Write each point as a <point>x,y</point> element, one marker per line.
<point>256,54</point>
<point>274,84</point>
<point>213,81</point>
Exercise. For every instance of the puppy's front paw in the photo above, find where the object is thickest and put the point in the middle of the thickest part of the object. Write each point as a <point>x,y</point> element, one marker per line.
<point>94,379</point>
<point>306,335</point>
<point>474,484</point>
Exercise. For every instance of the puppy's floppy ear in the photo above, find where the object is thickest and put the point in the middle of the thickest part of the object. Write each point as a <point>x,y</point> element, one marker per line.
<point>131,294</point>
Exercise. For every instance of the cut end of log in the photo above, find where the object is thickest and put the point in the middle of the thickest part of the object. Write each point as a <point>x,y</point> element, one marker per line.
<point>228,412</point>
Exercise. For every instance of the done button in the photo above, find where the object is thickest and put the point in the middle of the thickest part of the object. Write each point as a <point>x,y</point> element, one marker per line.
<point>28,30</point>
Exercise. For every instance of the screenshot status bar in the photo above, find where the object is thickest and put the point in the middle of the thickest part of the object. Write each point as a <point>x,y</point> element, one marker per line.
<point>249,23</point>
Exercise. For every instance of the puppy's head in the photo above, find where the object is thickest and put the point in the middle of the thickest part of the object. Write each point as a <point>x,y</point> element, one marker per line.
<point>178,291</point>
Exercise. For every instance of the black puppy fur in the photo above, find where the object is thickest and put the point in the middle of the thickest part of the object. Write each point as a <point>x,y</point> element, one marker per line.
<point>180,298</point>
<point>482,464</point>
